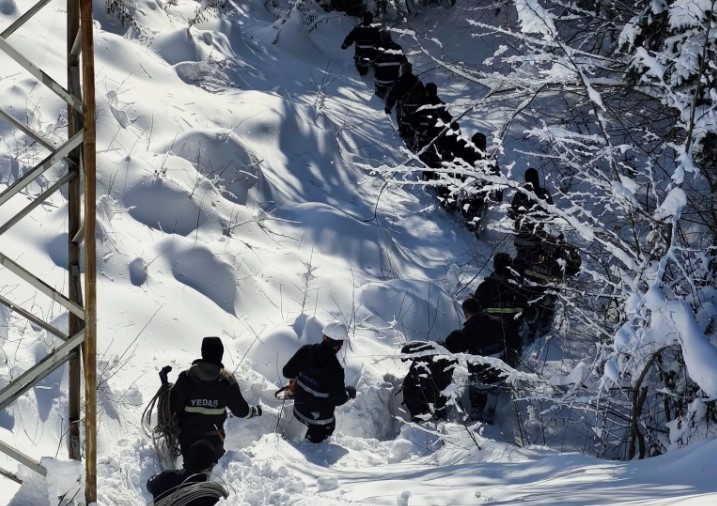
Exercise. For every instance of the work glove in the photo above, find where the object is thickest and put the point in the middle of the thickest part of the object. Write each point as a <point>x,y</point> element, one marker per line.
<point>387,110</point>
<point>351,392</point>
<point>256,411</point>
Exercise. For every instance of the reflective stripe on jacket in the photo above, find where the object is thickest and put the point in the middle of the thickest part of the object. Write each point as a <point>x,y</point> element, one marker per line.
<point>201,396</point>
<point>320,382</point>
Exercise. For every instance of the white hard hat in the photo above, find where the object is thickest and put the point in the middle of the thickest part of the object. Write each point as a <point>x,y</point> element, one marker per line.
<point>336,330</point>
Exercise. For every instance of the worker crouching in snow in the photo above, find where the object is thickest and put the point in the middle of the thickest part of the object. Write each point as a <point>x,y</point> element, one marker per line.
<point>170,487</point>
<point>429,375</point>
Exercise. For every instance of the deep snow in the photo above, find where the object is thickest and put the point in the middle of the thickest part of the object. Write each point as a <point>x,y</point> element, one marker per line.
<point>234,200</point>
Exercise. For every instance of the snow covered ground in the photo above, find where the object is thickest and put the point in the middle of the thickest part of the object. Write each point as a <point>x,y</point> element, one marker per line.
<point>235,199</point>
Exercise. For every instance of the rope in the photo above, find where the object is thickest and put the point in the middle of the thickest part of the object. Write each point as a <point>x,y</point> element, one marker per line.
<point>278,419</point>
<point>165,433</point>
<point>186,494</point>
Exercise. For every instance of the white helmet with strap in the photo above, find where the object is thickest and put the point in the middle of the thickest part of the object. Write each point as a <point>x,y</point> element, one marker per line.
<point>336,331</point>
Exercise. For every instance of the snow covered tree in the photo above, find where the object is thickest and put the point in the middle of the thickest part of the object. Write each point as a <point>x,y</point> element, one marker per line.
<point>672,48</point>
<point>616,103</point>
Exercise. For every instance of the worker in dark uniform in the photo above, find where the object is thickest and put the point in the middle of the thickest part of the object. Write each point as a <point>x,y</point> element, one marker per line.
<point>449,144</point>
<point>198,465</point>
<point>480,336</point>
<point>528,215</point>
<point>387,64</point>
<point>364,37</point>
<point>425,119</point>
<point>427,377</point>
<point>477,195</point>
<point>429,120</point>
<point>544,272</point>
<point>502,300</point>
<point>408,94</point>
<point>319,382</point>
<point>201,396</point>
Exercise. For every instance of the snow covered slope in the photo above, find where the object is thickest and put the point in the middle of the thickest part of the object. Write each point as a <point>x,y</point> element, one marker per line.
<point>235,200</point>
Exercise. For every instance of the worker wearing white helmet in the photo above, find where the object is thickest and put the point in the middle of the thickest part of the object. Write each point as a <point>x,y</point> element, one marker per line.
<point>319,382</point>
<point>336,332</point>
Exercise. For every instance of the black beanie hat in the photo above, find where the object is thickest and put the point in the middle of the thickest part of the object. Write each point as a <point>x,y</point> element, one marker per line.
<point>479,140</point>
<point>200,455</point>
<point>212,350</point>
<point>471,306</point>
<point>532,177</point>
<point>502,263</point>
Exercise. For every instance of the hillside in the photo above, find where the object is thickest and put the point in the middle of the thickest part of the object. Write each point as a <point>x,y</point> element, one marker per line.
<point>244,192</point>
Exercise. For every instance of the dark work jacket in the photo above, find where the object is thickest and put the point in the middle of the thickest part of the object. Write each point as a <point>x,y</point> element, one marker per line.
<point>428,370</point>
<point>427,115</point>
<point>480,335</point>
<point>350,7</point>
<point>540,271</point>
<point>481,164</point>
<point>166,483</point>
<point>550,264</point>
<point>319,383</point>
<point>526,212</point>
<point>429,375</point>
<point>387,65</point>
<point>449,145</point>
<point>200,397</point>
<point>472,155</point>
<point>365,39</point>
<point>500,296</point>
<point>409,91</point>
<point>503,300</point>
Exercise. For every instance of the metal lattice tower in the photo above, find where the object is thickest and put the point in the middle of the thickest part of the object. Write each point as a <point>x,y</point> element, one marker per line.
<point>69,165</point>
